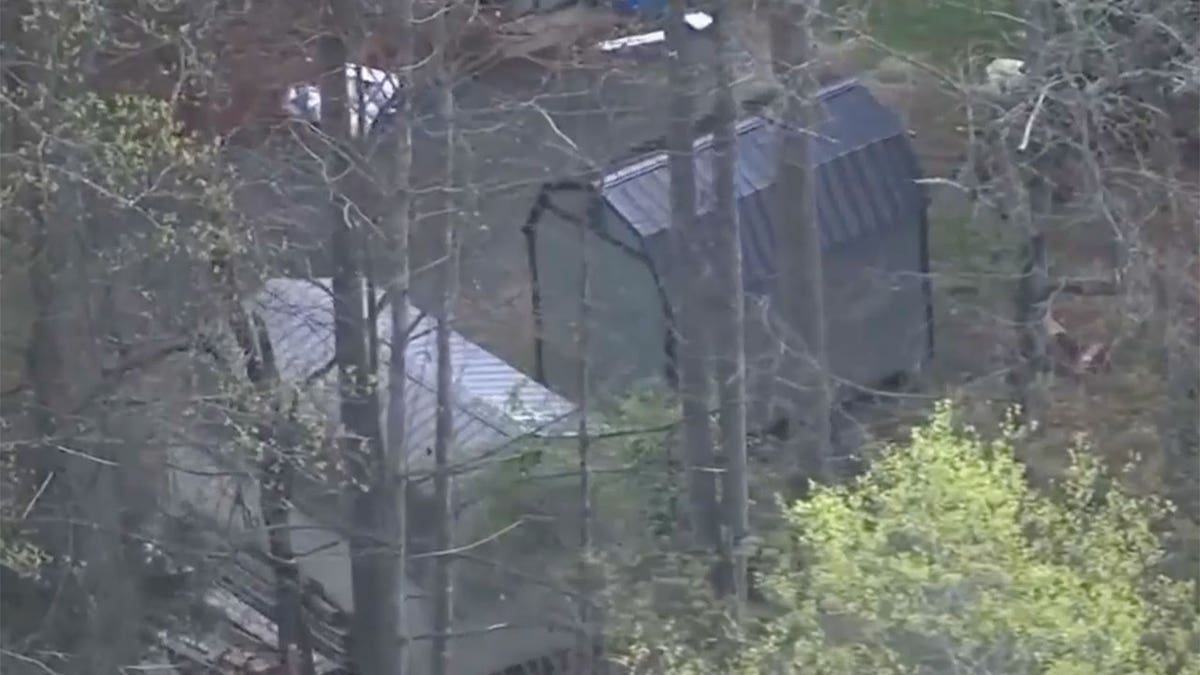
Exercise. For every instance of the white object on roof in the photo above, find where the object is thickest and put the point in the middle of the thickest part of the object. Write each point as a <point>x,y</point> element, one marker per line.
<point>696,20</point>
<point>375,87</point>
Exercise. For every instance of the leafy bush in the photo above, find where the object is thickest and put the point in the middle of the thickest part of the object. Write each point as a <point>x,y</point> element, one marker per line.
<point>943,559</point>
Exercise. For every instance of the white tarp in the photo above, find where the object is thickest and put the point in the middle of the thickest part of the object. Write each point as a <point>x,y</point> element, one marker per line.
<point>696,20</point>
<point>369,91</point>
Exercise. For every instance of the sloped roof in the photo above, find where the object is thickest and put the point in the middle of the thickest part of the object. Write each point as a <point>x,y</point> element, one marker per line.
<point>865,181</point>
<point>494,402</point>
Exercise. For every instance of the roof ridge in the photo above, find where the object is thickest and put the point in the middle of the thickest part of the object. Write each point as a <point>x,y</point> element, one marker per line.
<point>653,159</point>
<point>477,405</point>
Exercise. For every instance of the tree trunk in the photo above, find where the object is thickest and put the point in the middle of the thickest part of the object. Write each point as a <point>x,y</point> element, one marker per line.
<point>800,278</point>
<point>397,214</point>
<point>277,476</point>
<point>64,362</point>
<point>83,504</point>
<point>1032,195</point>
<point>583,659</point>
<point>1033,284</point>
<point>1030,313</point>
<point>443,579</point>
<point>292,629</point>
<point>1029,200</point>
<point>1178,425</point>
<point>688,278</point>
<point>373,561</point>
<point>730,316</point>
<point>1176,320</point>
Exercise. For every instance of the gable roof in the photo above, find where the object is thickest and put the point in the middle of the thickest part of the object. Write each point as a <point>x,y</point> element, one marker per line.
<point>493,402</point>
<point>865,181</point>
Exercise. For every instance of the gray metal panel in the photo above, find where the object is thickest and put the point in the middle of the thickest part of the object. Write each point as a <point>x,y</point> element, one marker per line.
<point>494,403</point>
<point>865,179</point>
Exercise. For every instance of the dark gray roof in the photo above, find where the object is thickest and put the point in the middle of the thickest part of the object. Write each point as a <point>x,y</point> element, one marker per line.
<point>866,179</point>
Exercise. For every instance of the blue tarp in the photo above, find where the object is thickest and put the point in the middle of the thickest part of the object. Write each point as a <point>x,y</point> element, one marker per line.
<point>650,8</point>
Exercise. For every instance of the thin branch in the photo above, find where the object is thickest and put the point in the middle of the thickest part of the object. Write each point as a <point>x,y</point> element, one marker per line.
<point>1088,287</point>
<point>37,495</point>
<point>83,455</point>
<point>113,375</point>
<point>461,633</point>
<point>1037,109</point>
<point>30,660</point>
<point>475,544</point>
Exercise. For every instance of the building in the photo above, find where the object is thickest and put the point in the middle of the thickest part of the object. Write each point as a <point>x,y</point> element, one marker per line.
<point>872,213</point>
<point>495,407</point>
<point>556,121</point>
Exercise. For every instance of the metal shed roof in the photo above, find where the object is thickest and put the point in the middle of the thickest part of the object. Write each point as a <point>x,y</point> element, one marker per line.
<point>494,402</point>
<point>865,181</point>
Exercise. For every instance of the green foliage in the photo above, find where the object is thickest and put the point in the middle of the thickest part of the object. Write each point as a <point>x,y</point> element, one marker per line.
<point>130,136</point>
<point>20,554</point>
<point>633,492</point>
<point>944,559</point>
<point>106,202</point>
<point>631,482</point>
<point>133,162</point>
<point>942,29</point>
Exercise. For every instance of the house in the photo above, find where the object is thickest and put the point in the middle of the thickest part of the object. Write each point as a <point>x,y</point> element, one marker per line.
<point>495,407</point>
<point>872,213</point>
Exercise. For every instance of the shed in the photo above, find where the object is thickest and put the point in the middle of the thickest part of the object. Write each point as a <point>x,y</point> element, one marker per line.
<point>494,406</point>
<point>494,403</point>
<point>871,209</point>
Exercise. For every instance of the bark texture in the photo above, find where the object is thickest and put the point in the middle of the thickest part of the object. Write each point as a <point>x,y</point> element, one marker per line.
<point>397,223</point>
<point>800,279</point>
<point>690,276</point>
<point>729,317</point>
<point>373,509</point>
<point>443,579</point>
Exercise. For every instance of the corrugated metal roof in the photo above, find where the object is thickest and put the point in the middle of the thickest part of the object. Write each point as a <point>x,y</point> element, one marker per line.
<point>865,179</point>
<point>494,402</point>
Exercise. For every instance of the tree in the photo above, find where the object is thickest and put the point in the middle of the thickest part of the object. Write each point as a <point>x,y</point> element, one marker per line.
<point>397,226</point>
<point>729,316</point>
<point>799,281</point>
<point>943,557</point>
<point>443,540</point>
<point>1096,132</point>
<point>375,570</point>
<point>688,283</point>
<point>267,415</point>
<point>585,662</point>
<point>105,206</point>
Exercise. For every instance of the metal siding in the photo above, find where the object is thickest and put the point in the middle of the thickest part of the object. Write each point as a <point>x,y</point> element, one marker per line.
<point>864,180</point>
<point>853,219</point>
<point>756,154</point>
<point>758,241</point>
<point>872,201</point>
<point>882,183</point>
